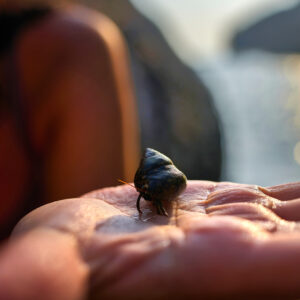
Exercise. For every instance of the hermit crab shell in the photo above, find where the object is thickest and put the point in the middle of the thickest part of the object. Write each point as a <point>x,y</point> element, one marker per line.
<point>157,178</point>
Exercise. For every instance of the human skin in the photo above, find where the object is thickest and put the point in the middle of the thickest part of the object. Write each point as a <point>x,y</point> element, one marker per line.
<point>74,74</point>
<point>81,101</point>
<point>221,240</point>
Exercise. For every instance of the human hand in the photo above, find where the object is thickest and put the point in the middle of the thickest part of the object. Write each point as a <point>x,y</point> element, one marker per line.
<point>220,240</point>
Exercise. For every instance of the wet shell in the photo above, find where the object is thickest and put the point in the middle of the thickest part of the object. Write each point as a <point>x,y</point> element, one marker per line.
<point>157,179</point>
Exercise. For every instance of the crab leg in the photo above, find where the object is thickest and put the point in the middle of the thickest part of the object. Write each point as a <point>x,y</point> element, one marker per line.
<point>138,204</point>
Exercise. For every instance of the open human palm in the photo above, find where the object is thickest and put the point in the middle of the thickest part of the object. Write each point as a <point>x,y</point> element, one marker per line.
<point>220,240</point>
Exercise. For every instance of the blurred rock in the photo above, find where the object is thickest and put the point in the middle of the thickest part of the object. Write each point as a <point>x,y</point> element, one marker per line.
<point>277,33</point>
<point>176,111</point>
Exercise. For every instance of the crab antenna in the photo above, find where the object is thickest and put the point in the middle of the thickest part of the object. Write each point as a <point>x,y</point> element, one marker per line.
<point>125,182</point>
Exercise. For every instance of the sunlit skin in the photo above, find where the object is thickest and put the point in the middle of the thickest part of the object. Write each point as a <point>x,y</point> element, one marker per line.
<point>73,67</point>
<point>228,240</point>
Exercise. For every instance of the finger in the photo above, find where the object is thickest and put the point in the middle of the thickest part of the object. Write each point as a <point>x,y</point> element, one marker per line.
<point>289,210</point>
<point>240,194</point>
<point>274,266</point>
<point>287,191</point>
<point>255,213</point>
<point>217,257</point>
<point>241,258</point>
<point>43,264</point>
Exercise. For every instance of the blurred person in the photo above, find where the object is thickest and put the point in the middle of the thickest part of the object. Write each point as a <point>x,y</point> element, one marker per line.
<point>176,109</point>
<point>67,113</point>
<point>225,241</point>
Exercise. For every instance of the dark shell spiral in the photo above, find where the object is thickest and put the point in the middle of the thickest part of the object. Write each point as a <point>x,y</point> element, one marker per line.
<point>157,179</point>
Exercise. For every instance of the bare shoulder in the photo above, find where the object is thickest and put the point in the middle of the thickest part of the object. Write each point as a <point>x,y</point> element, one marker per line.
<point>66,36</point>
<point>69,27</point>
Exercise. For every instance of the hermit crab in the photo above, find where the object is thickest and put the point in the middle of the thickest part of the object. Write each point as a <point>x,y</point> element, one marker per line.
<point>157,180</point>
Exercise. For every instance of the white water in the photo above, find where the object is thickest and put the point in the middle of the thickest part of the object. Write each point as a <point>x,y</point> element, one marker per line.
<point>257,96</point>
